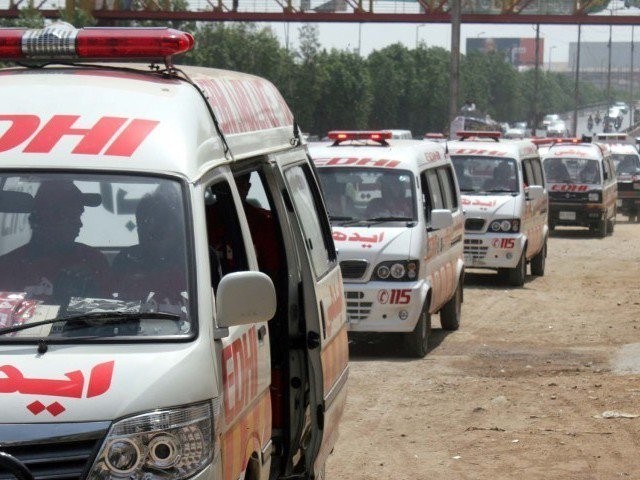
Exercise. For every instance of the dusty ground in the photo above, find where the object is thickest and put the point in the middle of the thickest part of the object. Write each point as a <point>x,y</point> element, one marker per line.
<point>520,390</point>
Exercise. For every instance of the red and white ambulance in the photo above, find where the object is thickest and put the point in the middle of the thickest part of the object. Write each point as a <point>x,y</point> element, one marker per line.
<point>171,304</point>
<point>396,214</point>
<point>582,184</point>
<point>505,204</point>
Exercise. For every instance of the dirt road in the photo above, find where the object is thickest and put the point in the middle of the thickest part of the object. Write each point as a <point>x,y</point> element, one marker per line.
<point>523,390</point>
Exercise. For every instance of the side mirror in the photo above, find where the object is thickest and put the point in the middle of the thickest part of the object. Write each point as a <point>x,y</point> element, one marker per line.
<point>441,218</point>
<point>244,298</point>
<point>534,192</point>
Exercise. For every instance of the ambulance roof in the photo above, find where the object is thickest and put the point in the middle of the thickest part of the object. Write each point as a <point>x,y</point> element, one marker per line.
<point>594,151</point>
<point>517,149</point>
<point>112,118</point>
<point>623,148</point>
<point>411,155</point>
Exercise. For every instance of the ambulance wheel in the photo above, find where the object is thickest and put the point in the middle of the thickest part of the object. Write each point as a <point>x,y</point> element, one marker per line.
<point>611,224</point>
<point>450,313</point>
<point>538,262</point>
<point>517,275</point>
<point>418,340</point>
<point>602,228</point>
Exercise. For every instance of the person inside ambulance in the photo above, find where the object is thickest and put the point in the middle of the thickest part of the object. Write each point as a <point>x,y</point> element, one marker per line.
<point>393,201</point>
<point>502,180</point>
<point>52,266</point>
<point>589,173</point>
<point>154,270</point>
<point>339,205</point>
<point>558,172</point>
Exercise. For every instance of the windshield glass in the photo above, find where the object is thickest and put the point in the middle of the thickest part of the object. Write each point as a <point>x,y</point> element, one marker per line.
<point>626,163</point>
<point>353,194</point>
<point>80,244</point>
<point>483,174</point>
<point>572,170</point>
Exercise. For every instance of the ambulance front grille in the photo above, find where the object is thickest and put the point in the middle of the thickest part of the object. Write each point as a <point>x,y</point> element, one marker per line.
<point>52,451</point>
<point>353,269</point>
<point>473,248</point>
<point>474,224</point>
<point>357,310</point>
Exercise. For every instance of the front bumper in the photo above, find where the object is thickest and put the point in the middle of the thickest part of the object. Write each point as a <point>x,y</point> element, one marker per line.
<point>576,214</point>
<point>493,250</point>
<point>384,306</point>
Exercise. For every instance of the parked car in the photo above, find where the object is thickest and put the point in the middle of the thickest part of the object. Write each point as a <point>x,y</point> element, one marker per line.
<point>557,129</point>
<point>549,119</point>
<point>624,107</point>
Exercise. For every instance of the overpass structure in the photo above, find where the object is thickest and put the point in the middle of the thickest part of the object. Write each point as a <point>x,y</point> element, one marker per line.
<point>569,12</point>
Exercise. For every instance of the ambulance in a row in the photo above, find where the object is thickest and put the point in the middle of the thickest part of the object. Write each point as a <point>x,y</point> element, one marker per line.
<point>582,184</point>
<point>171,302</point>
<point>396,214</point>
<point>505,204</point>
<point>627,164</point>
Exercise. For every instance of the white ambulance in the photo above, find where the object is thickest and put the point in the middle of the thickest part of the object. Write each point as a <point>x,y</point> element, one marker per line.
<point>171,304</point>
<point>505,204</point>
<point>582,186</point>
<point>626,160</point>
<point>397,224</point>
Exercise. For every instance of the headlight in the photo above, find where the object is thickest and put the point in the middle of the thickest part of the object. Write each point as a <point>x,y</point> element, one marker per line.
<point>594,196</point>
<point>401,270</point>
<point>162,445</point>
<point>505,225</point>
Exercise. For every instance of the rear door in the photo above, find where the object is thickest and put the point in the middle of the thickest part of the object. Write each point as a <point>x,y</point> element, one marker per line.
<point>321,315</point>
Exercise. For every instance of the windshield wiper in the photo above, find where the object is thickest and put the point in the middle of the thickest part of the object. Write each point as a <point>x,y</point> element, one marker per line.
<point>338,218</point>
<point>389,219</point>
<point>93,316</point>
<point>501,190</point>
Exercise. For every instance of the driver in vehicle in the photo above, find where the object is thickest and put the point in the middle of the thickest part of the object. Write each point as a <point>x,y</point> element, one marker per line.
<point>154,270</point>
<point>393,201</point>
<point>52,265</point>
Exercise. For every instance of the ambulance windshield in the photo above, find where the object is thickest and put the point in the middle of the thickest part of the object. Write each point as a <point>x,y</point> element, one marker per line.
<point>571,170</point>
<point>103,250</point>
<point>368,195</point>
<point>484,175</point>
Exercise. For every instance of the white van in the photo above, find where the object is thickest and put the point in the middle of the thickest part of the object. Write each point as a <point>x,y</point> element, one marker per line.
<point>505,204</point>
<point>154,322</point>
<point>397,224</point>
<point>626,160</point>
<point>582,186</point>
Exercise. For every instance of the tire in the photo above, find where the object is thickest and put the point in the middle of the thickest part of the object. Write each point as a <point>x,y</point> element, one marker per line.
<point>602,228</point>
<point>611,225</point>
<point>451,312</point>
<point>538,262</point>
<point>517,275</point>
<point>418,340</point>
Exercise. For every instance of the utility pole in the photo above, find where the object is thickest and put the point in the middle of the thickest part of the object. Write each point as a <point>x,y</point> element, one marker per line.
<point>631,100</point>
<point>609,68</point>
<point>536,80</point>
<point>454,69</point>
<point>577,86</point>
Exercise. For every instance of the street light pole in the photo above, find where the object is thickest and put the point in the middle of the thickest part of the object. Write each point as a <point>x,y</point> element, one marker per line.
<point>576,89</point>
<point>454,67</point>
<point>550,51</point>
<point>609,67</point>
<point>417,27</point>
<point>631,100</point>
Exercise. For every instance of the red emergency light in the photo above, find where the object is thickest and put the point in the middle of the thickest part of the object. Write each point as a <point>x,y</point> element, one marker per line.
<point>482,134</point>
<point>61,41</point>
<point>339,136</point>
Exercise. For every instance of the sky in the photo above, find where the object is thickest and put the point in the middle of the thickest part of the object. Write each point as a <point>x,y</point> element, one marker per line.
<point>367,37</point>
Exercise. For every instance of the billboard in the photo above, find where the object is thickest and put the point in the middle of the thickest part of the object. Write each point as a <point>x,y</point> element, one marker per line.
<point>517,51</point>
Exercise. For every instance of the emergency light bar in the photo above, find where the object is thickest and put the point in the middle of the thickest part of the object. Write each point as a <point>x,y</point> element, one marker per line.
<point>339,136</point>
<point>466,134</point>
<point>434,135</point>
<point>62,41</point>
